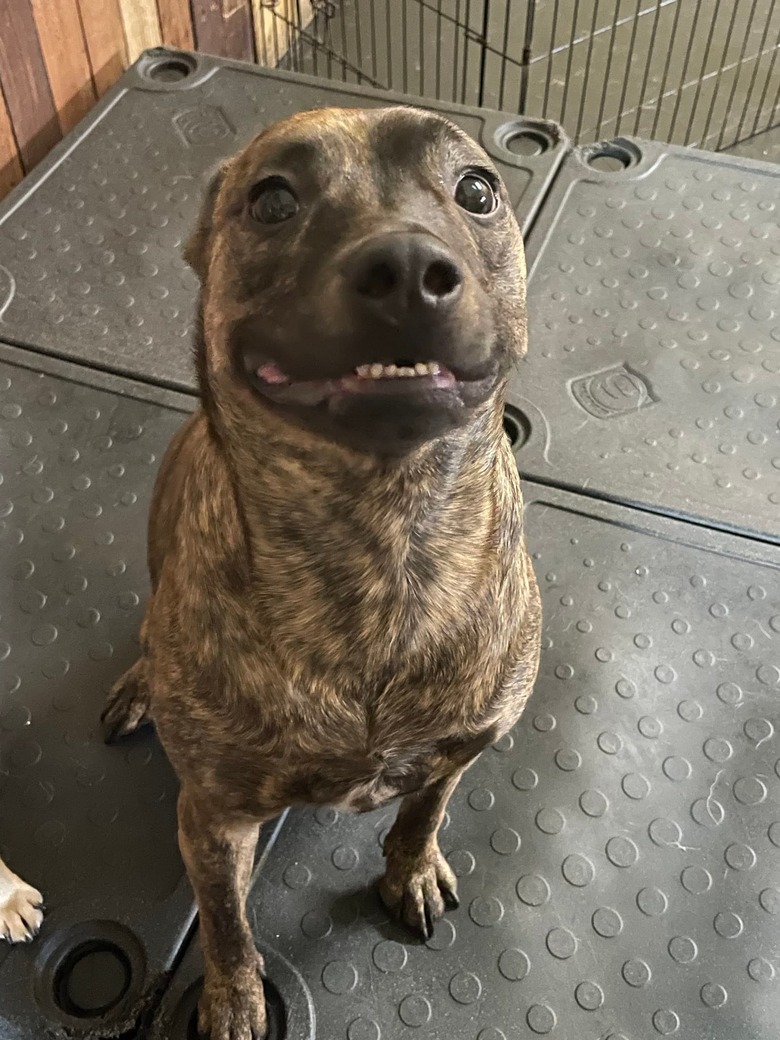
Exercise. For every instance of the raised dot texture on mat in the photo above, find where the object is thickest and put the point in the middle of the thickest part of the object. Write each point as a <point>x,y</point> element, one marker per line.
<point>72,594</point>
<point>639,882</point>
<point>665,359</point>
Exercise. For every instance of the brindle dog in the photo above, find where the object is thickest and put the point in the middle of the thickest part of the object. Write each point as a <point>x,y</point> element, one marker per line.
<point>343,610</point>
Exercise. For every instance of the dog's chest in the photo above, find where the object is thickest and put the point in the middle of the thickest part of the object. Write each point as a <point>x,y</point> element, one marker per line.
<point>325,741</point>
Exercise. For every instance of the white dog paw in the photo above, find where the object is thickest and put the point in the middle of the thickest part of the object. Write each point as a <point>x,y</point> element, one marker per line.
<point>21,910</point>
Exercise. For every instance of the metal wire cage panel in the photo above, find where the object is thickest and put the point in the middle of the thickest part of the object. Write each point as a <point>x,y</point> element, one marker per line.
<point>693,72</point>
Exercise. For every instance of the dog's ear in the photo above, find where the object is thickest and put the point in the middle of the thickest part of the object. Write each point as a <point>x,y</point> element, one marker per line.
<point>196,249</point>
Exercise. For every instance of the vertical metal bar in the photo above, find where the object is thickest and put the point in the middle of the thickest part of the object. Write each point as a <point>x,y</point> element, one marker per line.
<point>665,77</point>
<point>389,28</point>
<point>569,59</point>
<point>586,81</point>
<point>608,72</point>
<point>686,64</point>
<point>466,43</point>
<point>328,49</point>
<point>358,41</point>
<point>421,45</point>
<point>483,54</point>
<point>277,51</point>
<point>648,64</point>
<point>372,25</point>
<point>456,50</point>
<point>629,56</point>
<point>344,45</point>
<point>769,79</point>
<point>505,52</point>
<point>262,46</point>
<point>528,47</point>
<point>737,75</point>
<point>439,25</point>
<point>405,46</point>
<point>749,95</point>
<point>718,78</point>
<point>703,70</point>
<point>290,39</point>
<point>776,102</point>
<point>297,47</point>
<point>315,47</point>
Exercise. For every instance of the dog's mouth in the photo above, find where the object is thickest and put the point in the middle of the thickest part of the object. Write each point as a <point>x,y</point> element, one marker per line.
<point>401,377</point>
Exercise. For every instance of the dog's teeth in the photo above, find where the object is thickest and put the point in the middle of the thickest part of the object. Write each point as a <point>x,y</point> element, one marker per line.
<point>406,372</point>
<point>421,369</point>
<point>364,371</point>
<point>376,370</point>
<point>434,368</point>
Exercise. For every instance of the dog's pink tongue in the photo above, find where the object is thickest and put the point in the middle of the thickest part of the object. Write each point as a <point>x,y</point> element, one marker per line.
<point>271,373</point>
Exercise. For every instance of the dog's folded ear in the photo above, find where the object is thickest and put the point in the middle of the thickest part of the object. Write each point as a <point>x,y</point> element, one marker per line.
<point>196,249</point>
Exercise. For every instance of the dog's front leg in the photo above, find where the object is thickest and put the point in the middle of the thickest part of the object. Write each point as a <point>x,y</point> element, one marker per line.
<point>419,883</point>
<point>219,856</point>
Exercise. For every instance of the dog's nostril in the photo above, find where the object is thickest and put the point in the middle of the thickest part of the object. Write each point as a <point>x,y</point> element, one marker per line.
<point>441,279</point>
<point>378,281</point>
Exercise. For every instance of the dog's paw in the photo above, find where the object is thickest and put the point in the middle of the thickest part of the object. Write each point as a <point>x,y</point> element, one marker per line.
<point>127,705</point>
<point>21,909</point>
<point>234,1008</point>
<point>419,890</point>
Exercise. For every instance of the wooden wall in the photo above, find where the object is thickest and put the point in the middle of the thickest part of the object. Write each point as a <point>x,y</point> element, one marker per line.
<point>57,57</point>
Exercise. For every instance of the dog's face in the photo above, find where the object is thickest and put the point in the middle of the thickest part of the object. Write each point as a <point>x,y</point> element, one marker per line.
<point>363,276</point>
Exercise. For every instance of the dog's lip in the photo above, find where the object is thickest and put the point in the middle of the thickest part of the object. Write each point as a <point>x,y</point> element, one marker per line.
<point>269,380</point>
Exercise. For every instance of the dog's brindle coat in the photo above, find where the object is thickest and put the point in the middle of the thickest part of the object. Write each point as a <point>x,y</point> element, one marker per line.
<point>342,608</point>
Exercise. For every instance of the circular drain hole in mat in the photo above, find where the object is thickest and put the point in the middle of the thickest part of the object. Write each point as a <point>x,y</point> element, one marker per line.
<point>613,156</point>
<point>527,143</point>
<point>277,1019</point>
<point>170,69</point>
<point>516,426</point>
<point>92,979</point>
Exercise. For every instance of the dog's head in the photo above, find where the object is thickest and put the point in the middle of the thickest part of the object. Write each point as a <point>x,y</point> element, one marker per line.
<point>362,276</point>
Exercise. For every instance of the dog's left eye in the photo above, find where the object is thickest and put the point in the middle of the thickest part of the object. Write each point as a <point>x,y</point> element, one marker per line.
<point>476,194</point>
<point>273,201</point>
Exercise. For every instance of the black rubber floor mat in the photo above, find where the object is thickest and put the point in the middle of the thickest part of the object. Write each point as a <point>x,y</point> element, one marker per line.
<point>90,243</point>
<point>654,302</point>
<point>618,852</point>
<point>93,827</point>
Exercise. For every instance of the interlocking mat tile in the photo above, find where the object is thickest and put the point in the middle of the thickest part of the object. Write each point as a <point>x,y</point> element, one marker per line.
<point>93,827</point>
<point>654,302</point>
<point>90,243</point>
<point>618,853</point>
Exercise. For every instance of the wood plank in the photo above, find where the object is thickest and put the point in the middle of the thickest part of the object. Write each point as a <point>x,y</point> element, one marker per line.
<point>239,32</point>
<point>105,37</point>
<point>142,26</point>
<point>224,28</point>
<point>176,24</point>
<point>207,21</point>
<point>275,26</point>
<point>11,171</point>
<point>25,83</point>
<point>65,56</point>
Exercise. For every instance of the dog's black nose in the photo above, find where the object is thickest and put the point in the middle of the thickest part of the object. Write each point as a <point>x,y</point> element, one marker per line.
<point>399,274</point>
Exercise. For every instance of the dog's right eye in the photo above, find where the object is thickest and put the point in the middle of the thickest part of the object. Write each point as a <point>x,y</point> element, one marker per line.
<point>273,201</point>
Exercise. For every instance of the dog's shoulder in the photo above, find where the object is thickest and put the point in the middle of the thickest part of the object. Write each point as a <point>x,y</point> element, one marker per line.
<point>195,526</point>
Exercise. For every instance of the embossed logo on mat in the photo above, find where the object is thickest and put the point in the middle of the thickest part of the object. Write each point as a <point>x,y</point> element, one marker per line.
<point>204,124</point>
<point>612,392</point>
